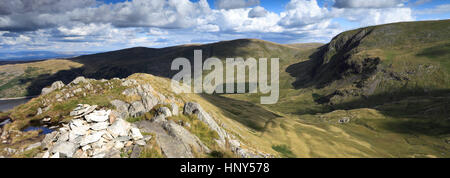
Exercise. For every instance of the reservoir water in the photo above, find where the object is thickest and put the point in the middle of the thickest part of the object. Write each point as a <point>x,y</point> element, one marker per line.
<point>6,105</point>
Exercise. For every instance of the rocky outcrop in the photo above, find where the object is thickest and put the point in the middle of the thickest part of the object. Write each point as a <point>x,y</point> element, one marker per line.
<point>92,135</point>
<point>97,132</point>
<point>191,108</point>
<point>55,86</point>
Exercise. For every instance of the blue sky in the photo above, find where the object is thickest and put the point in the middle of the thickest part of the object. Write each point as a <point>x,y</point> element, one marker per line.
<point>102,25</point>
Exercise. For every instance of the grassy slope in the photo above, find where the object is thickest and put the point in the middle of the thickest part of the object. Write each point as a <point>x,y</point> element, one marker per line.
<point>16,78</point>
<point>400,119</point>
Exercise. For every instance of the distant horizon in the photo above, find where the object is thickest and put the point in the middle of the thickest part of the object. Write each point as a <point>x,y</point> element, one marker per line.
<point>27,55</point>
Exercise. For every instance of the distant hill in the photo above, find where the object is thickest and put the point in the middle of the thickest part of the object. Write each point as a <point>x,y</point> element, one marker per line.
<point>32,77</point>
<point>38,55</point>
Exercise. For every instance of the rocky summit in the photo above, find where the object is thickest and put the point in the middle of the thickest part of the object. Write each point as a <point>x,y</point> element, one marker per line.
<point>132,120</point>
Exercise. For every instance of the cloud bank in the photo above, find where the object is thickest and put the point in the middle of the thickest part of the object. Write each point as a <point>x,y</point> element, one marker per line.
<point>91,24</point>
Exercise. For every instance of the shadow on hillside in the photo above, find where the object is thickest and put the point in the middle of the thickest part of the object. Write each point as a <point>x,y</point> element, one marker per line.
<point>321,70</point>
<point>124,63</point>
<point>246,113</point>
<point>412,111</point>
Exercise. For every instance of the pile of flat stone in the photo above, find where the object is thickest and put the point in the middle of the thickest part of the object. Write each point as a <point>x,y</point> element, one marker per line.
<point>92,134</point>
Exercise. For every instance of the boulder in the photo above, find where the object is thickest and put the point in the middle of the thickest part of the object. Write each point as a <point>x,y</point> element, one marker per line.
<point>137,109</point>
<point>55,86</point>
<point>121,107</point>
<point>79,80</point>
<point>39,111</point>
<point>164,111</point>
<point>175,109</point>
<point>64,149</point>
<point>149,101</point>
<point>119,128</point>
<point>136,134</point>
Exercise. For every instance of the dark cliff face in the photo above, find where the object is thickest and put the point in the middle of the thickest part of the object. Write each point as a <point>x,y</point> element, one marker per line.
<point>337,61</point>
<point>383,58</point>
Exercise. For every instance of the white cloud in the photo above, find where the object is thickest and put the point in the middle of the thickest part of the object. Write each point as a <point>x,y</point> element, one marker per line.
<point>87,24</point>
<point>235,4</point>
<point>157,32</point>
<point>368,3</point>
<point>257,11</point>
<point>366,17</point>
<point>303,12</point>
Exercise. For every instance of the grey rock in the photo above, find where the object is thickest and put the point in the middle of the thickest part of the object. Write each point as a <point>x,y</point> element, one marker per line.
<point>175,109</point>
<point>55,86</point>
<point>171,147</point>
<point>121,107</point>
<point>137,109</point>
<point>48,140</point>
<point>141,143</point>
<point>185,136</point>
<point>99,126</point>
<point>159,119</point>
<point>165,111</point>
<point>91,138</point>
<point>129,82</point>
<point>86,147</point>
<point>63,137</point>
<point>39,111</point>
<point>149,101</point>
<point>123,139</point>
<point>83,109</point>
<point>136,134</point>
<point>119,128</point>
<point>98,116</point>
<point>56,155</point>
<point>65,149</point>
<point>79,80</point>
<point>191,108</point>
<point>344,120</point>
<point>119,145</point>
<point>78,130</point>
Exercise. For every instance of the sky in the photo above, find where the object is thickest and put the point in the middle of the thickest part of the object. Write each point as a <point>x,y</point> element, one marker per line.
<point>105,25</point>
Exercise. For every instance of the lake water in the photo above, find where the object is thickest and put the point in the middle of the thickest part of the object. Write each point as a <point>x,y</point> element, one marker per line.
<point>45,130</point>
<point>6,105</point>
